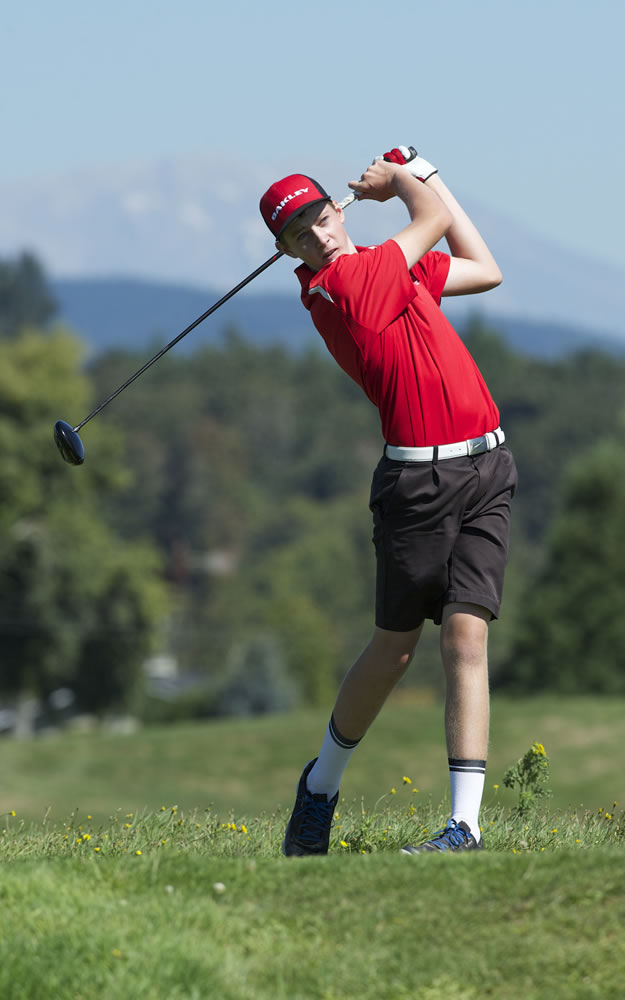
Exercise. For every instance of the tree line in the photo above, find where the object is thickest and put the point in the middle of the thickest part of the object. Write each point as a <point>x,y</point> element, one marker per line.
<point>222,517</point>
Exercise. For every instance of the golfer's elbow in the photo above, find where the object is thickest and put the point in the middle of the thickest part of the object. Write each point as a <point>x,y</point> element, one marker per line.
<point>444,219</point>
<point>494,277</point>
<point>487,271</point>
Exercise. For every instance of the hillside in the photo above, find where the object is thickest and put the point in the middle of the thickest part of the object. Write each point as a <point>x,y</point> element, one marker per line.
<point>134,314</point>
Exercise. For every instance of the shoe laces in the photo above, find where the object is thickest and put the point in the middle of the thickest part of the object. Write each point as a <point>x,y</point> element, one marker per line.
<point>315,819</point>
<point>451,836</point>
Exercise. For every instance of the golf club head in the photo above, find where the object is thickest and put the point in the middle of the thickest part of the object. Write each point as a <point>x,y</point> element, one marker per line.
<point>68,443</point>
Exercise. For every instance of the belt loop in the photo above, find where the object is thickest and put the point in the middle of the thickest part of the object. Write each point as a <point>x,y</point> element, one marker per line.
<point>435,455</point>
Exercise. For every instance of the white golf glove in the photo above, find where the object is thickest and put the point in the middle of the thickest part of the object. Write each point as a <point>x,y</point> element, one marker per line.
<point>408,157</point>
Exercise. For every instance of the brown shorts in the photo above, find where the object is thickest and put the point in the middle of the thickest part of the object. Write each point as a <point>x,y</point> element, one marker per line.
<point>441,534</point>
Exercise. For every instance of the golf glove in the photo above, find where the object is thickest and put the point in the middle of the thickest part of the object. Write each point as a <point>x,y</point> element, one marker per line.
<point>408,157</point>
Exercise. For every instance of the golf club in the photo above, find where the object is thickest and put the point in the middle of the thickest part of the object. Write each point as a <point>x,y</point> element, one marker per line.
<point>67,438</point>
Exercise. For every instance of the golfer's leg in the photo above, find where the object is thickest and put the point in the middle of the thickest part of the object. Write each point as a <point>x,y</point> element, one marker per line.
<point>361,696</point>
<point>373,676</point>
<point>464,634</point>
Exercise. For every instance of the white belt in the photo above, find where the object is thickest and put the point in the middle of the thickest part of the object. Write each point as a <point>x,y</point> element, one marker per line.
<point>474,446</point>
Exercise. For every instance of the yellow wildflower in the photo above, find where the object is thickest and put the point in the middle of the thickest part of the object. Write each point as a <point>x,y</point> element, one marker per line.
<point>138,852</point>
<point>393,791</point>
<point>243,828</point>
<point>406,780</point>
<point>344,843</point>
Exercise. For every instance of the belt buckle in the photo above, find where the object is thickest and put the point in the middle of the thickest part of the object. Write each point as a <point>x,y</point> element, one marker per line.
<point>477,445</point>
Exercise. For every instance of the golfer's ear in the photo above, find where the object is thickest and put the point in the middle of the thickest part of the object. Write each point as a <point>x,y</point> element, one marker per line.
<point>339,211</point>
<point>283,248</point>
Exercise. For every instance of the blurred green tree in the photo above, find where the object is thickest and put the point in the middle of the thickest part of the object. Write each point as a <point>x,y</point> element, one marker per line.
<point>65,577</point>
<point>25,296</point>
<point>571,632</point>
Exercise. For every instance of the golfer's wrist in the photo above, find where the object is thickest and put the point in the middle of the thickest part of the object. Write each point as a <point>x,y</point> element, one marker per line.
<point>404,185</point>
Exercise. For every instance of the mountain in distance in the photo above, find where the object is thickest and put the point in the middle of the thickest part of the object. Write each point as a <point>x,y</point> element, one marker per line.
<point>193,223</point>
<point>142,316</point>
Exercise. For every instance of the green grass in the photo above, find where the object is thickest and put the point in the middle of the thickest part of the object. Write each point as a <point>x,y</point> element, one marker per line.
<point>379,926</point>
<point>148,891</point>
<point>252,765</point>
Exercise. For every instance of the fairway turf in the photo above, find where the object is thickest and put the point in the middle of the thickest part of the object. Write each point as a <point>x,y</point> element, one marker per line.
<point>133,885</point>
<point>248,766</point>
<point>375,927</point>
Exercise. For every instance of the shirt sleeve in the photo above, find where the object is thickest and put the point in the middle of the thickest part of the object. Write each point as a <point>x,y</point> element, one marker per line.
<point>371,287</point>
<point>432,271</point>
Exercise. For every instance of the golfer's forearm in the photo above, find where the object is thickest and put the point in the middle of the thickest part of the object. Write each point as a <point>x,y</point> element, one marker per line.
<point>462,237</point>
<point>430,218</point>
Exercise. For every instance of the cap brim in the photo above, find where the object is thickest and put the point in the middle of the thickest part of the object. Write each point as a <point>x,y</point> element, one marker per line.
<point>296,214</point>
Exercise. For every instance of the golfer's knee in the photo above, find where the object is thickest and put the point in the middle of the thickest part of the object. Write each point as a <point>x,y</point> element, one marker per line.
<point>464,638</point>
<point>465,655</point>
<point>395,649</point>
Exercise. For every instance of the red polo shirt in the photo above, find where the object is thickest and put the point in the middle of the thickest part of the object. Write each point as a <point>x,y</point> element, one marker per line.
<point>383,325</point>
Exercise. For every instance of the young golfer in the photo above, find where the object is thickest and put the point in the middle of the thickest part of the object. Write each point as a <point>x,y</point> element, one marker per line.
<point>441,492</point>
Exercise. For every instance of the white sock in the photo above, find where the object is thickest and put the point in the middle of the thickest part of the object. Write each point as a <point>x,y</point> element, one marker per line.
<point>466,778</point>
<point>336,750</point>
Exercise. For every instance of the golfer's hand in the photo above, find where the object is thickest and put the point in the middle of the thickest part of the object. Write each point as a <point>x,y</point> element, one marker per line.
<point>376,184</point>
<point>408,157</point>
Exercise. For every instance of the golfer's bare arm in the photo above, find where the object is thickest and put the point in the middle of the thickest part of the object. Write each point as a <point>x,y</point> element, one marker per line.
<point>430,218</point>
<point>473,267</point>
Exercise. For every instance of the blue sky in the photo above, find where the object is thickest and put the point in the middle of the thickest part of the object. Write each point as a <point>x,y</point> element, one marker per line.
<point>518,104</point>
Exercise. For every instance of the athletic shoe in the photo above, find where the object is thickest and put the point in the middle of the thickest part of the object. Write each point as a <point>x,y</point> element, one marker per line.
<point>455,837</point>
<point>308,830</point>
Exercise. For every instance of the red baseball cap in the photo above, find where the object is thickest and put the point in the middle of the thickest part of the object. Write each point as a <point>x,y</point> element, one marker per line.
<point>287,198</point>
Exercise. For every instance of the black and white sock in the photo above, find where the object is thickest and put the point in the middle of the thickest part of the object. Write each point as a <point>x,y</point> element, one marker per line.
<point>466,778</point>
<point>334,756</point>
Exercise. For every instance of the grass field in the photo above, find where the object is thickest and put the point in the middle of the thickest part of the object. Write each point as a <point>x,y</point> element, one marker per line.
<point>247,766</point>
<point>379,927</point>
<point>133,885</point>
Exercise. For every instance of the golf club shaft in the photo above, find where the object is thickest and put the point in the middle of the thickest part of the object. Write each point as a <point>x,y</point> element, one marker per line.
<point>233,291</point>
<point>172,343</point>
